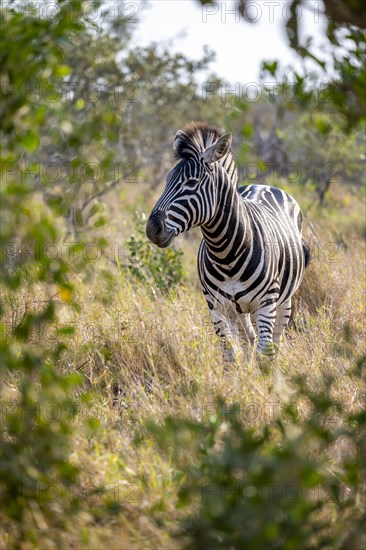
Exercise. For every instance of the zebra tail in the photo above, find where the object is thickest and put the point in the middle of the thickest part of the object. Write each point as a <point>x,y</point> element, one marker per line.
<point>307,252</point>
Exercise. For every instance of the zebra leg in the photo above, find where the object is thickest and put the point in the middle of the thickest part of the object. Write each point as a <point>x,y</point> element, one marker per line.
<point>265,318</point>
<point>246,330</point>
<point>247,335</point>
<point>282,319</point>
<point>222,329</point>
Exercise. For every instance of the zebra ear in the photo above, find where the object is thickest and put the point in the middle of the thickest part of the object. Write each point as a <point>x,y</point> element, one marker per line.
<point>218,149</point>
<point>179,136</point>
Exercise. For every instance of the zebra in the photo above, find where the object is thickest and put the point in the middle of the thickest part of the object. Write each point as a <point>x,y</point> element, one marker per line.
<point>252,257</point>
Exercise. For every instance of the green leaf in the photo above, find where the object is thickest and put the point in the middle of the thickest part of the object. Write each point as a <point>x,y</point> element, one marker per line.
<point>30,141</point>
<point>247,130</point>
<point>322,124</point>
<point>270,67</point>
<point>62,70</point>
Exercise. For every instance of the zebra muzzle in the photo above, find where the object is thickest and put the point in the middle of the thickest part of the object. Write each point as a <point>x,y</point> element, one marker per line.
<point>156,230</point>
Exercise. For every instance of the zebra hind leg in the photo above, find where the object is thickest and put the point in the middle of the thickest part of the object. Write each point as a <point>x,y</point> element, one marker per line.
<point>282,319</point>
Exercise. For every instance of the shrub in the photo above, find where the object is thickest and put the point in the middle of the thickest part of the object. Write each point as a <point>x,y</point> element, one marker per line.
<point>162,266</point>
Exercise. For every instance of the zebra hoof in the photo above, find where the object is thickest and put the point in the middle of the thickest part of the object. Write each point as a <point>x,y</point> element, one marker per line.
<point>228,355</point>
<point>228,361</point>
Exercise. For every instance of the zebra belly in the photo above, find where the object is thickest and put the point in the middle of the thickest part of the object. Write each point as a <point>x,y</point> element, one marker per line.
<point>235,294</point>
<point>231,288</point>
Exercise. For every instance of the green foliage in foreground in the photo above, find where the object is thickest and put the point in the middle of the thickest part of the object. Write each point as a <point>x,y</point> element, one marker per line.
<point>274,488</point>
<point>35,449</point>
<point>36,424</point>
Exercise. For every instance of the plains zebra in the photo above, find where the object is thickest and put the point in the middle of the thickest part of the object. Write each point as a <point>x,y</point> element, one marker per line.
<point>252,256</point>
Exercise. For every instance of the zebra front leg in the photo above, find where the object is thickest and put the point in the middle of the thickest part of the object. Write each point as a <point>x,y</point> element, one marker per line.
<point>282,318</point>
<point>265,318</point>
<point>246,329</point>
<point>222,330</point>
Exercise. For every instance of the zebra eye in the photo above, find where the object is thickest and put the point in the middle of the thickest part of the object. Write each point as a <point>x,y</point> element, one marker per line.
<point>191,183</point>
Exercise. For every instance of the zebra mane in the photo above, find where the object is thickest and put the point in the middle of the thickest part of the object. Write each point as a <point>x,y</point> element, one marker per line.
<point>195,139</point>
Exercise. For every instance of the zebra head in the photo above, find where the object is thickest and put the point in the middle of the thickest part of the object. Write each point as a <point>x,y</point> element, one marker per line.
<point>190,196</point>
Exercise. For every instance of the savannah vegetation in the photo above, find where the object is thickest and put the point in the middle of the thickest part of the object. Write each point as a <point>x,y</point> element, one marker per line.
<point>120,426</point>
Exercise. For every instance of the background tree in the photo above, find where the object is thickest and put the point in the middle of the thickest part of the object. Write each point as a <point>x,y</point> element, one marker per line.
<point>345,55</point>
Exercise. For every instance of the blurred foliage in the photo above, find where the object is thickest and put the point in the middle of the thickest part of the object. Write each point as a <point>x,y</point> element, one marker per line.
<point>345,50</point>
<point>167,95</point>
<point>36,424</point>
<point>158,266</point>
<point>322,153</point>
<point>97,93</point>
<point>273,487</point>
<point>278,140</point>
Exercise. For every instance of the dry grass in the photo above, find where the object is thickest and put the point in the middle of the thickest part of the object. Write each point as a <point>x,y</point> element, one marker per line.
<point>163,357</point>
<point>145,356</point>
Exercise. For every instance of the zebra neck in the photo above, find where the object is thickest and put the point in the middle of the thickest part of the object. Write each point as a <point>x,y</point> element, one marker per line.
<point>229,165</point>
<point>227,235</point>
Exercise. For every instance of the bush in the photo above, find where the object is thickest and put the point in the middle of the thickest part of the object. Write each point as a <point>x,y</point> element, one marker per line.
<point>162,266</point>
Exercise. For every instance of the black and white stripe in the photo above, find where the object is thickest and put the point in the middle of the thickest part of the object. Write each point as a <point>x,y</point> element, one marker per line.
<point>252,256</point>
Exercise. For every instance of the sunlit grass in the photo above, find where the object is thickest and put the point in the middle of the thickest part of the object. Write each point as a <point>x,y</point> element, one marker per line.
<point>144,355</point>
